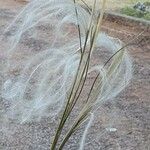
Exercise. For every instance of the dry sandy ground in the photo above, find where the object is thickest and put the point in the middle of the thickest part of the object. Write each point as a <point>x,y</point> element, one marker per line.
<point>11,3</point>
<point>132,107</point>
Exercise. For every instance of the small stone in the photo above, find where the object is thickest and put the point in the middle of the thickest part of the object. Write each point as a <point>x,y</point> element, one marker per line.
<point>111,129</point>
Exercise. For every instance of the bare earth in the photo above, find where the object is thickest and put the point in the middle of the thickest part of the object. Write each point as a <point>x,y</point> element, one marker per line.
<point>131,107</point>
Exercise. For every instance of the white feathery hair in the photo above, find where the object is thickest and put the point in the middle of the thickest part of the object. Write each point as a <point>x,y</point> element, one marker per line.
<point>38,80</point>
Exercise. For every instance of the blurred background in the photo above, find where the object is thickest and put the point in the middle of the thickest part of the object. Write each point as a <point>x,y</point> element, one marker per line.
<point>135,8</point>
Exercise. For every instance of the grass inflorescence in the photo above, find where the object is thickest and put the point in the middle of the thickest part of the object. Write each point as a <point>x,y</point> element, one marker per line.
<point>51,80</point>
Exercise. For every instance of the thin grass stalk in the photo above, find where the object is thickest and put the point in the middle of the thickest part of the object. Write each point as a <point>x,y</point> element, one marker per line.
<point>83,114</point>
<point>79,120</point>
<point>88,107</point>
<point>95,34</point>
<point>111,57</point>
<point>98,25</point>
<point>78,26</point>
<point>87,6</point>
<point>76,99</point>
<point>66,113</point>
<point>90,27</point>
<point>86,65</point>
<point>65,116</point>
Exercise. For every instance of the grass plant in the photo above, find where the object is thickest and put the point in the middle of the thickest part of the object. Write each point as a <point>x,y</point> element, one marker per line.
<point>56,76</point>
<point>83,69</point>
